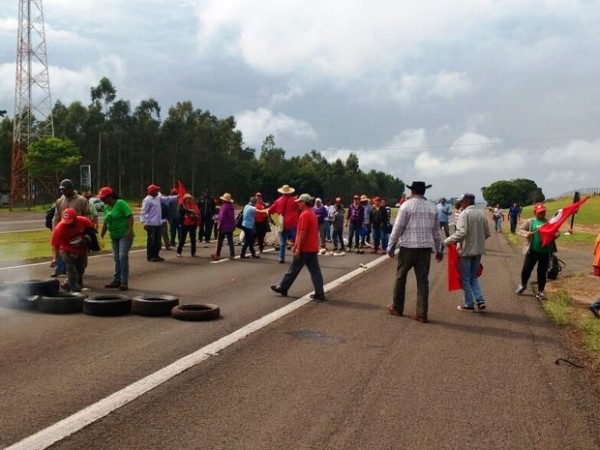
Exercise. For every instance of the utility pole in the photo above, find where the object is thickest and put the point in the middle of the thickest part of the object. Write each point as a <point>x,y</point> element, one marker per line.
<point>33,105</point>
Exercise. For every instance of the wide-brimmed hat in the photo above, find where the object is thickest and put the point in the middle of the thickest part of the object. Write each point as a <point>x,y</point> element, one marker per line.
<point>285,189</point>
<point>364,198</point>
<point>105,192</point>
<point>418,186</point>
<point>187,195</point>
<point>153,188</point>
<point>226,197</point>
<point>306,198</point>
<point>69,215</point>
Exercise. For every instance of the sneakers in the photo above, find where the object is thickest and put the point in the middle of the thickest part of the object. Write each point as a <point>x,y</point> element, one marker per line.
<point>540,296</point>
<point>594,312</point>
<point>466,308</point>
<point>124,287</point>
<point>57,274</point>
<point>520,289</point>
<point>322,251</point>
<point>481,306</point>
<point>320,297</point>
<point>277,288</point>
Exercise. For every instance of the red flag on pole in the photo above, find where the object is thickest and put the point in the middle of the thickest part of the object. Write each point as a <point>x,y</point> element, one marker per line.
<point>182,191</point>
<point>453,272</point>
<point>549,229</point>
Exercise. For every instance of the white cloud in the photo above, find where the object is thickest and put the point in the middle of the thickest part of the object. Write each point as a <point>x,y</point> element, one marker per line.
<point>258,124</point>
<point>577,153</point>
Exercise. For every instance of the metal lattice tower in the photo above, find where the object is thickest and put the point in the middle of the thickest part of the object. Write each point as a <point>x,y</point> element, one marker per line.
<point>33,105</point>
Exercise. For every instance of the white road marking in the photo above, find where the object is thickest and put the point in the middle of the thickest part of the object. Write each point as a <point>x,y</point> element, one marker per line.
<point>45,263</point>
<point>81,419</point>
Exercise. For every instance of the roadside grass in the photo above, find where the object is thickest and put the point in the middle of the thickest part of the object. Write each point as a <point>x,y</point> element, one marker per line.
<point>30,245</point>
<point>589,213</point>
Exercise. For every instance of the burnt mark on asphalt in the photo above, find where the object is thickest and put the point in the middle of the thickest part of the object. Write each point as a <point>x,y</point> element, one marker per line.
<point>316,337</point>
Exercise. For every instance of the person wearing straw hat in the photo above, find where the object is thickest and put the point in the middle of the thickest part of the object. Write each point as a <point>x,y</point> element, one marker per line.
<point>418,231</point>
<point>306,251</point>
<point>287,209</point>
<point>225,227</point>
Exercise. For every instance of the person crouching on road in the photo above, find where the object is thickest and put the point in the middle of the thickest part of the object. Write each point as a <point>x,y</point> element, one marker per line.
<point>306,249</point>
<point>189,218</point>
<point>534,252</point>
<point>472,230</point>
<point>118,220</point>
<point>70,242</point>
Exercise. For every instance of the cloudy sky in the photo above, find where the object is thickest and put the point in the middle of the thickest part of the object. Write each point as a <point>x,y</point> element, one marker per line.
<point>459,93</point>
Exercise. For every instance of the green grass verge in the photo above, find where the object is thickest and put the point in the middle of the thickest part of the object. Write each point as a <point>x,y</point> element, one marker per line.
<point>562,310</point>
<point>589,213</point>
<point>27,245</point>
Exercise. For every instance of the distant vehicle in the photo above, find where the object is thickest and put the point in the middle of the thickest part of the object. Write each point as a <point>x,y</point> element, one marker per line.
<point>98,204</point>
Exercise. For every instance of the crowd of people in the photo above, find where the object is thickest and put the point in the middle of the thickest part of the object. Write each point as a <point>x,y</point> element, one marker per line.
<point>305,225</point>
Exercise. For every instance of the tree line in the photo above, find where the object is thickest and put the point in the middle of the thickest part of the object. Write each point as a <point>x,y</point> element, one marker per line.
<point>128,148</point>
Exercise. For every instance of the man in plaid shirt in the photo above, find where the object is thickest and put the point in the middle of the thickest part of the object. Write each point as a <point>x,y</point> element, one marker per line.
<point>417,231</point>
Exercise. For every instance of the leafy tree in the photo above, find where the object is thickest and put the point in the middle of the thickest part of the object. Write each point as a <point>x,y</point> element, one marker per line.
<point>51,156</point>
<point>504,192</point>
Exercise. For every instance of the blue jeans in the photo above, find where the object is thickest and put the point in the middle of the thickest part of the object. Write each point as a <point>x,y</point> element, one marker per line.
<point>353,229</point>
<point>337,238</point>
<point>175,230</point>
<point>283,237</point>
<point>60,267</point>
<point>468,277</point>
<point>248,242</point>
<point>311,260</point>
<point>379,235</point>
<point>498,221</point>
<point>153,241</point>
<point>596,304</point>
<point>327,226</point>
<point>120,248</point>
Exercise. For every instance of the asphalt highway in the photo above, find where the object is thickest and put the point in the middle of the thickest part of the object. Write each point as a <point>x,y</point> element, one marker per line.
<point>340,374</point>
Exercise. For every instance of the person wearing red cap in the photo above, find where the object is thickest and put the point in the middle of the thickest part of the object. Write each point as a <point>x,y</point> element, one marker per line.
<point>118,221</point>
<point>70,242</point>
<point>151,218</point>
<point>535,253</point>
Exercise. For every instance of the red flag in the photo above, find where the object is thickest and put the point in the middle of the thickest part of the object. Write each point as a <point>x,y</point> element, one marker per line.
<point>549,229</point>
<point>182,191</point>
<point>453,271</point>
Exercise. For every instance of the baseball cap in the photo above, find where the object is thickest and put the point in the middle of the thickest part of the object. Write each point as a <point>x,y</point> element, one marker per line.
<point>539,207</point>
<point>104,192</point>
<point>66,184</point>
<point>306,198</point>
<point>68,216</point>
<point>153,188</point>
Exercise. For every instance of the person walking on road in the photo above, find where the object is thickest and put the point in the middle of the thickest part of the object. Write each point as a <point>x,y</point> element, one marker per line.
<point>534,252</point>
<point>338,229</point>
<point>118,221</point>
<point>513,216</point>
<point>418,231</point>
<point>225,227</point>
<point>444,212</point>
<point>189,218</point>
<point>498,215</point>
<point>287,209</point>
<point>306,250</point>
<point>248,219</point>
<point>261,222</point>
<point>151,218</point>
<point>472,230</point>
<point>207,210</point>
<point>174,220</point>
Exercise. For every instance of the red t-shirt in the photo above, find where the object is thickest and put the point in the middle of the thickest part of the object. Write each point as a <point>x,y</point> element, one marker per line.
<point>286,205</point>
<point>63,234</point>
<point>308,221</point>
<point>258,216</point>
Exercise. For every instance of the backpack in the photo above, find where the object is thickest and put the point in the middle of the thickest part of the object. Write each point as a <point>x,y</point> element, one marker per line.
<point>239,219</point>
<point>94,244</point>
<point>49,216</point>
<point>556,266</point>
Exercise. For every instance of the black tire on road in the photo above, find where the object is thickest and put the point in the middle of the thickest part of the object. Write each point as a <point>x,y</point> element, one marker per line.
<point>27,288</point>
<point>63,303</point>
<point>153,305</point>
<point>196,312</point>
<point>107,305</point>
